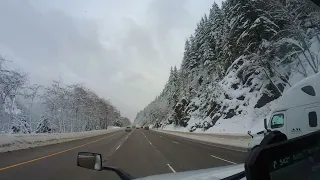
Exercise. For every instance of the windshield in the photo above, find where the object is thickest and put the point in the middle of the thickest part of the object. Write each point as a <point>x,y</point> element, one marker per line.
<point>149,86</point>
<point>277,121</point>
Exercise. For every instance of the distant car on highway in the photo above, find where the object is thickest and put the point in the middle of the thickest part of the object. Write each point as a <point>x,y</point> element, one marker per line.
<point>146,128</point>
<point>128,129</point>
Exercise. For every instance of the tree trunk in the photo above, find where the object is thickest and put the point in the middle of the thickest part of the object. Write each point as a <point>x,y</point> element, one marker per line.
<point>272,82</point>
<point>313,68</point>
<point>304,69</point>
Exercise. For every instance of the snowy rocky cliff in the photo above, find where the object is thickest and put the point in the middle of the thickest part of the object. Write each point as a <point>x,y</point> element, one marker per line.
<point>241,58</point>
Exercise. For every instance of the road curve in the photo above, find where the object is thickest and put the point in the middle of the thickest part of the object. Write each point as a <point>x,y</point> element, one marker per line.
<point>139,153</point>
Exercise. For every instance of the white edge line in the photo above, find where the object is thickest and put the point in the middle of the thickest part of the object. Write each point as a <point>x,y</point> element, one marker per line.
<point>175,142</point>
<point>171,168</point>
<point>223,147</point>
<point>118,147</point>
<point>223,159</point>
<point>144,135</point>
<point>150,143</point>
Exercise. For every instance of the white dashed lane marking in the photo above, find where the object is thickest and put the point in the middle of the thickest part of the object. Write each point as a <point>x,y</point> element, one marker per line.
<point>171,168</point>
<point>223,159</point>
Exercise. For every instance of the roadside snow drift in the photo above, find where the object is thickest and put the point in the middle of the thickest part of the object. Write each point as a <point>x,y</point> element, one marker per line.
<point>239,141</point>
<point>11,142</point>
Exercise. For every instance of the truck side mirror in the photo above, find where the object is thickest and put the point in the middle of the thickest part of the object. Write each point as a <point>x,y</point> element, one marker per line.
<point>89,160</point>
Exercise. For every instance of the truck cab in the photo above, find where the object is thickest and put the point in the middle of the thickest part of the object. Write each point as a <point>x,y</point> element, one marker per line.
<point>297,112</point>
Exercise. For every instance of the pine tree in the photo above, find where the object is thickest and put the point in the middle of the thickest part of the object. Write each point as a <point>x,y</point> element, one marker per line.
<point>292,38</point>
<point>20,124</point>
<point>43,126</point>
<point>186,55</point>
<point>215,23</point>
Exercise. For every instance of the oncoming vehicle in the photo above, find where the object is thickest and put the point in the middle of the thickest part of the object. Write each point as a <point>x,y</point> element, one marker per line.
<point>297,112</point>
<point>146,128</point>
<point>128,129</point>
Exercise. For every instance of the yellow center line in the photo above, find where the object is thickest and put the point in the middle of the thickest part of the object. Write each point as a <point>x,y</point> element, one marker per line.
<point>53,154</point>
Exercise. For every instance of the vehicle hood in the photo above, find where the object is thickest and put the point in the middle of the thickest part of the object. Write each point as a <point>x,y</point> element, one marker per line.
<point>256,140</point>
<point>203,174</point>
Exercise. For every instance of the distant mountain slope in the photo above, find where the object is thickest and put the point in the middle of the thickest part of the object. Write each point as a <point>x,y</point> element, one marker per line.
<point>239,61</point>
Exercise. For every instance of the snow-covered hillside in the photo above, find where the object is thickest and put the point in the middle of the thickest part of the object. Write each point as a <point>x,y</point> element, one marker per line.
<point>240,60</point>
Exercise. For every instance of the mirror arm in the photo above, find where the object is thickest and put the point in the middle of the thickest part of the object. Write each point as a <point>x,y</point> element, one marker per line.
<point>266,125</point>
<point>261,132</point>
<point>122,174</point>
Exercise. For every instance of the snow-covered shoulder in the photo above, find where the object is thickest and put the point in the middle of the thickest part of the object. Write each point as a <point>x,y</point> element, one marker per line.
<point>11,142</point>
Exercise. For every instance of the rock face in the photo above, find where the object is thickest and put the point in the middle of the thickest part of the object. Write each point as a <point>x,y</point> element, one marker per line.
<point>236,96</point>
<point>236,65</point>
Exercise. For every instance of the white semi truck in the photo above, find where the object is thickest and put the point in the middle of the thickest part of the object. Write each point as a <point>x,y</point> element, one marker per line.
<point>297,112</point>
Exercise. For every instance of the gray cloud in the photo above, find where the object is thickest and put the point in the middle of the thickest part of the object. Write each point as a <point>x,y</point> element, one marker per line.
<point>52,43</point>
<point>123,50</point>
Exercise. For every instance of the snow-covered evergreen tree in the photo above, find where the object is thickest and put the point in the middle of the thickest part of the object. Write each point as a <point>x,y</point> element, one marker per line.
<point>20,124</point>
<point>43,126</point>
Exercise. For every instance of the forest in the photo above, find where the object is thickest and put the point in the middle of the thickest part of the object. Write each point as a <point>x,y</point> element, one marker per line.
<point>240,59</point>
<point>57,108</point>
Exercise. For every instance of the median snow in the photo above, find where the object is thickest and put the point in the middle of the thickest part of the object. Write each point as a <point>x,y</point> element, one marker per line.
<point>11,142</point>
<point>236,140</point>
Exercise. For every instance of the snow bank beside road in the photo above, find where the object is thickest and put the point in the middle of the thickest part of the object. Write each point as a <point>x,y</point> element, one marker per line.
<point>236,141</point>
<point>11,142</point>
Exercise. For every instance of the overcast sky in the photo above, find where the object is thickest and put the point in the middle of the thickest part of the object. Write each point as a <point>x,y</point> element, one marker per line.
<point>121,49</point>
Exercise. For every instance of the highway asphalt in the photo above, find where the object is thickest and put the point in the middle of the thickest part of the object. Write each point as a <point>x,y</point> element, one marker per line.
<point>140,153</point>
